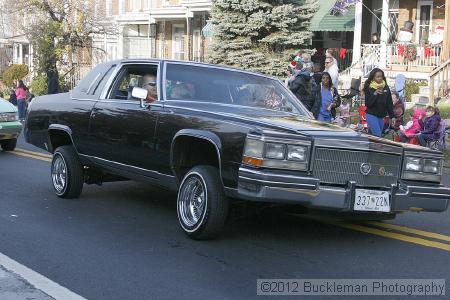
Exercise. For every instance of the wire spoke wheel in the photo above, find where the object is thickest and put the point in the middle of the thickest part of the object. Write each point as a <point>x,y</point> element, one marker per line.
<point>192,201</point>
<point>202,207</point>
<point>59,173</point>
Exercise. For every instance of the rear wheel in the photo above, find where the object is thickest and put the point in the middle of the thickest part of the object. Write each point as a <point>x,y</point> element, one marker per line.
<point>8,145</point>
<point>67,173</point>
<point>202,206</point>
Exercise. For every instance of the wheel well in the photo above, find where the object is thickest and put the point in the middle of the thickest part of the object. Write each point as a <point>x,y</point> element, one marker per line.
<point>58,138</point>
<point>189,151</point>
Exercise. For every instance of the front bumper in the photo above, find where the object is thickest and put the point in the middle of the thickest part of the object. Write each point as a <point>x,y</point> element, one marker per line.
<point>10,130</point>
<point>268,186</point>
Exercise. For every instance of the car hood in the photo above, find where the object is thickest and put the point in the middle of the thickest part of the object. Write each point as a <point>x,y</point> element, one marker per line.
<point>265,118</point>
<point>270,120</point>
<point>6,106</point>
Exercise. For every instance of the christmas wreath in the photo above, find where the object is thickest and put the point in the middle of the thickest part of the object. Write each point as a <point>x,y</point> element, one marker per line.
<point>411,52</point>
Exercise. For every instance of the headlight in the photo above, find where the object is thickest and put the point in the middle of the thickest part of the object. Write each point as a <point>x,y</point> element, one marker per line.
<point>297,153</point>
<point>413,164</point>
<point>275,151</point>
<point>431,166</point>
<point>9,117</point>
<point>422,169</point>
<point>254,148</point>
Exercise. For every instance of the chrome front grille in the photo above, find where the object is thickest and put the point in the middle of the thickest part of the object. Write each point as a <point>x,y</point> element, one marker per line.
<point>334,166</point>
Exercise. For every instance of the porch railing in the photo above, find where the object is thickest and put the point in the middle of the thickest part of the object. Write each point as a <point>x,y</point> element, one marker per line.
<point>414,55</point>
<point>371,56</point>
<point>439,81</point>
<point>404,55</point>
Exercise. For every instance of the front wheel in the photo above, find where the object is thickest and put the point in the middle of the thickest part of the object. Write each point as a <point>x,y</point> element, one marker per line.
<point>67,173</point>
<point>8,145</point>
<point>202,206</point>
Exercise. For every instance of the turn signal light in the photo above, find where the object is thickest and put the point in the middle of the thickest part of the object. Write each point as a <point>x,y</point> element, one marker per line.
<point>251,161</point>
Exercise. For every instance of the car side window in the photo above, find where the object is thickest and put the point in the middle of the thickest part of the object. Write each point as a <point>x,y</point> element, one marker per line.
<point>130,76</point>
<point>92,84</point>
<point>218,85</point>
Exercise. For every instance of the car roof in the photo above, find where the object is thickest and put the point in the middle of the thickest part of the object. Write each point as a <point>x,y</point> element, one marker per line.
<point>185,62</point>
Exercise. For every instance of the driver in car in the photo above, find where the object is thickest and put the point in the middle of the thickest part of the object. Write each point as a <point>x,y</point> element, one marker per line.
<point>149,83</point>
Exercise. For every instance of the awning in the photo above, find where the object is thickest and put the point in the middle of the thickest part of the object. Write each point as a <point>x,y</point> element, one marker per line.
<point>207,30</point>
<point>323,21</point>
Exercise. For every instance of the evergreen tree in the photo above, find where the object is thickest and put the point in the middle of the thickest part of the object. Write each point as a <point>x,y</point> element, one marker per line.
<point>260,35</point>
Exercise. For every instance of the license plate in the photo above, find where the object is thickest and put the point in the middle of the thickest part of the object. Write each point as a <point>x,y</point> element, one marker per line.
<point>369,200</point>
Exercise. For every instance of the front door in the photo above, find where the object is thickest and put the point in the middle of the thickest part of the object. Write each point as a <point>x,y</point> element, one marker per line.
<point>124,131</point>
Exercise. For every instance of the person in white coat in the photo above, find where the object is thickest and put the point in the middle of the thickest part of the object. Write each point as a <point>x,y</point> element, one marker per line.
<point>331,68</point>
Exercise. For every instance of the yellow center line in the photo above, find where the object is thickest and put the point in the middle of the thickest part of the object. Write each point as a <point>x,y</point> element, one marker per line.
<point>397,236</point>
<point>34,153</point>
<point>31,156</point>
<point>384,233</point>
<point>433,235</point>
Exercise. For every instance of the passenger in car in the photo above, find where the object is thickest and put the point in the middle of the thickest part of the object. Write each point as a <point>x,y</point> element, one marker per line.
<point>183,91</point>
<point>149,83</point>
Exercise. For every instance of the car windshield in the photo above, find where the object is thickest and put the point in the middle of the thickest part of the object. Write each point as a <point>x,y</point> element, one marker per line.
<point>207,84</point>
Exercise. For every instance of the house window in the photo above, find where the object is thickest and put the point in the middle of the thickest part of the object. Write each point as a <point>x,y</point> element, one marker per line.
<point>393,25</point>
<point>196,45</point>
<point>423,20</point>
<point>136,41</point>
<point>136,4</point>
<point>178,41</point>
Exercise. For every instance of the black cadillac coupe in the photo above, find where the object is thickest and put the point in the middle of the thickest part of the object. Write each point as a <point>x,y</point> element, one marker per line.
<point>216,134</point>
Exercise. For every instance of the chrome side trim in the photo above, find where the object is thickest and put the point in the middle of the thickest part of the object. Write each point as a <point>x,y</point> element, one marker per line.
<point>150,172</point>
<point>199,136</point>
<point>64,128</point>
<point>124,165</point>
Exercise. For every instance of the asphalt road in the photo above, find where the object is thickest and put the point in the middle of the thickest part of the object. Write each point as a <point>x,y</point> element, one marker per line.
<point>122,241</point>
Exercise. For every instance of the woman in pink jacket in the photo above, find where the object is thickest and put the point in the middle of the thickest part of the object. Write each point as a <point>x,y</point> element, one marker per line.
<point>412,127</point>
<point>21,95</point>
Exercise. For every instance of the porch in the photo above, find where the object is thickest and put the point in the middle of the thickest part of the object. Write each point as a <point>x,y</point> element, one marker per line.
<point>414,58</point>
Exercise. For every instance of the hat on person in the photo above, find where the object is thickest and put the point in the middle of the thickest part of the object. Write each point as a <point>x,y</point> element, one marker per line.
<point>293,64</point>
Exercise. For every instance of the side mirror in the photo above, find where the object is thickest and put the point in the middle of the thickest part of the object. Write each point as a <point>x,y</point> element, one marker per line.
<point>141,94</point>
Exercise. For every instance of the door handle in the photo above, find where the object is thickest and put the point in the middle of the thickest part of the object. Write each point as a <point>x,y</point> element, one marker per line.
<point>94,111</point>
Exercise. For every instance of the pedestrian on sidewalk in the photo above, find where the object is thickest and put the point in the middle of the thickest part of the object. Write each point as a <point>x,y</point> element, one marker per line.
<point>378,100</point>
<point>12,97</point>
<point>21,94</point>
<point>399,110</point>
<point>317,73</point>
<point>329,100</point>
<point>305,88</point>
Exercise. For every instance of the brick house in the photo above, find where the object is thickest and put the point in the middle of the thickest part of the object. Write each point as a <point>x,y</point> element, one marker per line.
<point>154,29</point>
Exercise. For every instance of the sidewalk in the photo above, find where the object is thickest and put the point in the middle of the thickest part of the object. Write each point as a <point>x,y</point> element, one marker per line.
<point>14,287</point>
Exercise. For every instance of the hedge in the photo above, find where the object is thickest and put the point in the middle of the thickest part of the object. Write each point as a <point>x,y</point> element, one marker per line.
<point>14,73</point>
